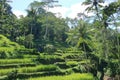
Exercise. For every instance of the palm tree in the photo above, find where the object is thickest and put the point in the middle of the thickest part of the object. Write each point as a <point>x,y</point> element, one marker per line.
<point>79,36</point>
<point>94,4</point>
<point>5,8</point>
<point>35,9</point>
<point>104,18</point>
<point>5,16</point>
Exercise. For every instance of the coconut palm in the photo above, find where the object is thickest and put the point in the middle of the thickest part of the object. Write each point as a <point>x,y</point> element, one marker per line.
<point>79,36</point>
<point>94,4</point>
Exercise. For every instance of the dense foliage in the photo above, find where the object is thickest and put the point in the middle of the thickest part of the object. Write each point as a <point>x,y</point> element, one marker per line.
<point>41,44</point>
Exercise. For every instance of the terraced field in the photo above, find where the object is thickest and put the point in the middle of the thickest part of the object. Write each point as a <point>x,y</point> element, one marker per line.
<point>44,67</point>
<point>76,76</point>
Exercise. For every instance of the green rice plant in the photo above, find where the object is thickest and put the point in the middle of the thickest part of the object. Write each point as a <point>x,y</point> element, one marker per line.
<point>6,66</point>
<point>49,56</point>
<point>8,48</point>
<point>58,54</point>
<point>5,42</point>
<point>67,77</point>
<point>37,68</point>
<point>24,76</point>
<point>85,61</point>
<point>69,71</point>
<point>82,68</point>
<point>5,71</point>
<point>13,61</point>
<point>72,56</point>
<point>62,65</point>
<point>77,69</point>
<point>72,63</point>
<point>6,52</point>
<point>26,51</point>
<point>49,48</point>
<point>3,77</point>
<point>30,56</point>
<point>49,59</point>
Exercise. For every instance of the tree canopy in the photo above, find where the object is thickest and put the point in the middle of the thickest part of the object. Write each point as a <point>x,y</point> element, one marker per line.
<point>96,40</point>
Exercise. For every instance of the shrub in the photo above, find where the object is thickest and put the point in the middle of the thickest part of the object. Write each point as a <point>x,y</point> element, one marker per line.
<point>113,68</point>
<point>12,75</point>
<point>58,54</point>
<point>69,71</point>
<point>76,69</point>
<point>26,51</point>
<point>8,48</point>
<point>5,71</point>
<point>72,56</point>
<point>49,48</point>
<point>3,54</point>
<point>9,52</point>
<point>80,69</point>
<point>4,41</point>
<point>62,65</point>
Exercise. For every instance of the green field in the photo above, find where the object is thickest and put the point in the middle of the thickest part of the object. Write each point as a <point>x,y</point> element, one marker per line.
<point>76,76</point>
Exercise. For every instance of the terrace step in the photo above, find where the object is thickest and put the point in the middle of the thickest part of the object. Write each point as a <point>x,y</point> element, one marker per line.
<point>38,74</point>
<point>15,61</point>
<point>3,77</point>
<point>73,60</point>
<point>6,66</point>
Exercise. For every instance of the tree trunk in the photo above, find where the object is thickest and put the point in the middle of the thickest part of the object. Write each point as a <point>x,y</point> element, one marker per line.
<point>102,75</point>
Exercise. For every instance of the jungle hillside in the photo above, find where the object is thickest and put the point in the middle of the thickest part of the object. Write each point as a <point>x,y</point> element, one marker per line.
<point>43,46</point>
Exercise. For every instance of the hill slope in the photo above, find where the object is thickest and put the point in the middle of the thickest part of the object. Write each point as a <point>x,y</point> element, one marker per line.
<point>7,47</point>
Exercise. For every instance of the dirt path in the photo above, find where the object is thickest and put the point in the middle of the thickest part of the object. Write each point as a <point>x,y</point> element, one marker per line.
<point>110,78</point>
<point>107,78</point>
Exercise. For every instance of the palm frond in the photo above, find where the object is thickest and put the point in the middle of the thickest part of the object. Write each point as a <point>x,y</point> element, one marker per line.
<point>87,2</point>
<point>88,9</point>
<point>101,1</point>
<point>37,4</point>
<point>100,5</point>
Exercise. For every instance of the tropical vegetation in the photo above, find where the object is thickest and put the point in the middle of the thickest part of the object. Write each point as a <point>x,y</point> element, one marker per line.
<point>42,46</point>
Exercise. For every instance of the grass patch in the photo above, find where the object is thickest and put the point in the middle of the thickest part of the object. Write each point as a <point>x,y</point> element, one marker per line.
<point>7,66</point>
<point>8,48</point>
<point>72,56</point>
<point>5,42</point>
<point>72,63</point>
<point>76,76</point>
<point>30,56</point>
<point>49,59</point>
<point>5,71</point>
<point>39,68</point>
<point>13,61</point>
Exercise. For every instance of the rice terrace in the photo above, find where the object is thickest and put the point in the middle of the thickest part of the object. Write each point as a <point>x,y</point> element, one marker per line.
<point>59,40</point>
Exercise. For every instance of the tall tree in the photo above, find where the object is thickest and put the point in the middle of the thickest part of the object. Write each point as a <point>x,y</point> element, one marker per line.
<point>104,19</point>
